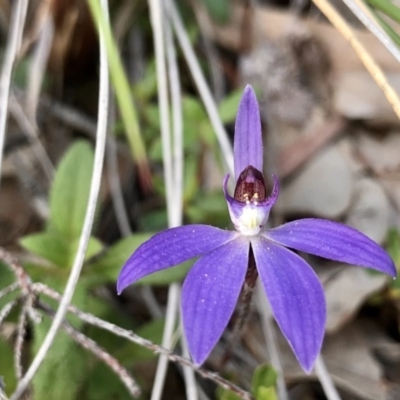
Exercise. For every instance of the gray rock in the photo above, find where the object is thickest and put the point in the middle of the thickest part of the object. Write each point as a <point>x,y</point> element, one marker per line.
<point>370,212</point>
<point>323,188</point>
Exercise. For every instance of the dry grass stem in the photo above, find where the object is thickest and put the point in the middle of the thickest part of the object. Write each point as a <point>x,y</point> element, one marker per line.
<point>372,67</point>
<point>97,351</point>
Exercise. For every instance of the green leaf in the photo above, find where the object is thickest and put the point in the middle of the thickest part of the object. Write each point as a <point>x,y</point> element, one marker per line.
<point>63,370</point>
<point>263,382</point>
<point>48,245</point>
<point>121,85</point>
<point>225,394</point>
<point>264,375</point>
<point>152,331</point>
<point>167,276</point>
<point>229,106</point>
<point>57,249</point>
<point>219,10</point>
<point>6,361</point>
<point>70,190</point>
<point>111,262</point>
<point>264,393</point>
<point>107,268</point>
<point>386,7</point>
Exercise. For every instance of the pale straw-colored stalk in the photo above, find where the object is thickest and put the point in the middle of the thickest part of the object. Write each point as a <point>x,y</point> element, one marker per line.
<point>88,221</point>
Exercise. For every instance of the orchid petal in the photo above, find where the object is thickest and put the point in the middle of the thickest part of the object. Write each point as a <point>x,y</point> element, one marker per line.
<point>171,247</point>
<point>248,146</point>
<point>209,295</point>
<point>237,209</point>
<point>334,241</point>
<point>296,297</point>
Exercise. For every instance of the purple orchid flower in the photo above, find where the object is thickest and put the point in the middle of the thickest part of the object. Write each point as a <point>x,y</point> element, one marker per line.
<point>213,285</point>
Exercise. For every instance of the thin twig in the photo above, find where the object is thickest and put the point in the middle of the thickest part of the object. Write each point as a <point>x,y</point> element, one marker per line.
<point>114,178</point>
<point>38,65</point>
<point>176,218</point>
<point>157,21</point>
<point>40,288</point>
<point>201,83</point>
<point>21,332</point>
<point>9,289</point>
<point>15,267</point>
<point>29,128</point>
<point>98,351</point>
<point>13,44</point>
<point>169,327</point>
<point>88,222</point>
<point>7,309</point>
<point>325,379</point>
<point>369,63</point>
<point>216,72</point>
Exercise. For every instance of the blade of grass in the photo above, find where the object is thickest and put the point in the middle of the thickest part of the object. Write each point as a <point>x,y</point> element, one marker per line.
<point>88,222</point>
<point>370,21</point>
<point>200,81</point>
<point>162,87</point>
<point>13,44</point>
<point>387,8</point>
<point>369,63</point>
<point>123,94</point>
<point>387,27</point>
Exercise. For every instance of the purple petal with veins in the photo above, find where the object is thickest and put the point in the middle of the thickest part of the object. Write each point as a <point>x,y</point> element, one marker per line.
<point>296,297</point>
<point>248,146</point>
<point>171,247</point>
<point>334,241</point>
<point>210,293</point>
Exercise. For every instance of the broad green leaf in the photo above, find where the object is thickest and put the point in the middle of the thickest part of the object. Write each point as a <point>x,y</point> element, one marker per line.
<point>167,276</point>
<point>263,382</point>
<point>64,369</point>
<point>266,393</point>
<point>48,245</point>
<point>6,363</point>
<point>152,331</point>
<point>103,384</point>
<point>225,394</point>
<point>94,248</point>
<point>229,106</point>
<point>57,249</point>
<point>107,268</point>
<point>111,262</point>
<point>219,10</point>
<point>70,190</point>
<point>209,209</point>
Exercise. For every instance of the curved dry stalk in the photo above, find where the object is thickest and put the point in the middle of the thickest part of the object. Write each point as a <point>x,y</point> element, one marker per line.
<point>9,289</point>
<point>202,87</point>
<point>6,310</point>
<point>13,44</point>
<point>369,63</point>
<point>38,65</point>
<point>364,14</point>
<point>41,288</point>
<point>325,380</point>
<point>87,225</point>
<point>269,334</point>
<point>98,352</point>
